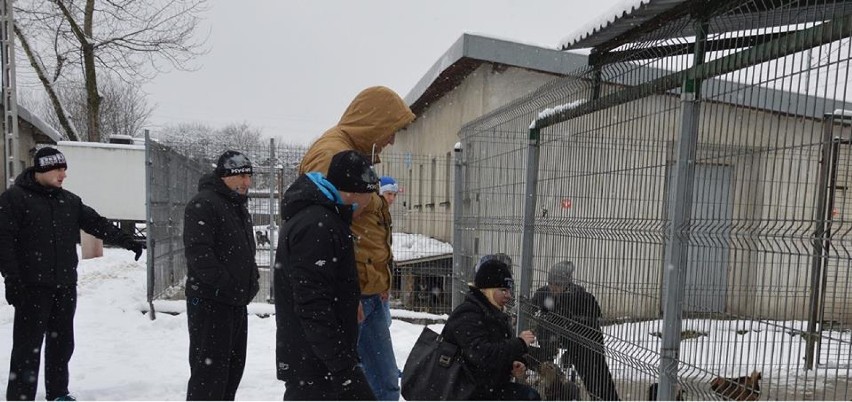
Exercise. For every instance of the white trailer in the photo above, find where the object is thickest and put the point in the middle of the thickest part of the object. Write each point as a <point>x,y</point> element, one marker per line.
<point>108,177</point>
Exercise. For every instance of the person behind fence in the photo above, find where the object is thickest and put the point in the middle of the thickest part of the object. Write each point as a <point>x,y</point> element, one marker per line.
<point>316,283</point>
<point>40,225</point>
<point>482,331</point>
<point>368,125</point>
<point>221,279</point>
<point>388,189</point>
<point>569,318</point>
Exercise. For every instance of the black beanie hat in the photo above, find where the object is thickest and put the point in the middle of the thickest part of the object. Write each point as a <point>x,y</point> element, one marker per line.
<point>233,163</point>
<point>493,274</point>
<point>351,172</point>
<point>47,159</point>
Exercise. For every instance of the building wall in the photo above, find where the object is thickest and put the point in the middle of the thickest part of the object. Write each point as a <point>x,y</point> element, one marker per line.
<point>421,158</point>
<point>24,158</point>
<point>773,162</point>
<point>615,166</point>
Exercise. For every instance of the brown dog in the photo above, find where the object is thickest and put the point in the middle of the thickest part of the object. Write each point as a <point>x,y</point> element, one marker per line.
<point>746,388</point>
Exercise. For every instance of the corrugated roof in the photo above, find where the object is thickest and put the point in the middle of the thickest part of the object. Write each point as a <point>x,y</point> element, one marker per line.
<point>636,16</point>
<point>621,18</point>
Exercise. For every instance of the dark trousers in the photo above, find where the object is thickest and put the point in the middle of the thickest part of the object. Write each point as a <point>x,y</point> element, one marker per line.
<point>509,392</point>
<point>43,311</point>
<point>590,363</point>
<point>217,349</point>
<point>322,389</point>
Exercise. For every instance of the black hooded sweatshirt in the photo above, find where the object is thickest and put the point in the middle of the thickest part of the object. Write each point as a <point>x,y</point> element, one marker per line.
<point>219,245</point>
<point>316,286</point>
<point>40,228</point>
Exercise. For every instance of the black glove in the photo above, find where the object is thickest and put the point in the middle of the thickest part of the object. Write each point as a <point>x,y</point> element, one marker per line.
<point>135,247</point>
<point>15,292</point>
<point>353,385</point>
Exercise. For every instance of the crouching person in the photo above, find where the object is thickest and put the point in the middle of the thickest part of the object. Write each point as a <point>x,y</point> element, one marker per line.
<point>482,330</point>
<point>316,283</point>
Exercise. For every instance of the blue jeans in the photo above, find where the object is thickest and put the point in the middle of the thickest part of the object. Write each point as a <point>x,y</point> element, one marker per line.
<point>376,350</point>
<point>386,306</point>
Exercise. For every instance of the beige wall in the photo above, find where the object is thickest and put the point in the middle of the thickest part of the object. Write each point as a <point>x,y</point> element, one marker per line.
<point>24,157</point>
<point>427,177</point>
<point>613,165</point>
<point>773,160</point>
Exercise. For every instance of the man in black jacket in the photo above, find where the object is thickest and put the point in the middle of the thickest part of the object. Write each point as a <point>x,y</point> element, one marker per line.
<point>317,291</point>
<point>569,318</point>
<point>221,278</point>
<point>40,225</point>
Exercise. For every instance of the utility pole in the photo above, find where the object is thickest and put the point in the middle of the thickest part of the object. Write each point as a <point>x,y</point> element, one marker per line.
<point>12,165</point>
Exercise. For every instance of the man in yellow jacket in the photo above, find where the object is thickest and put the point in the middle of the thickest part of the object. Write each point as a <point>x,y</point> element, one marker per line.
<point>368,125</point>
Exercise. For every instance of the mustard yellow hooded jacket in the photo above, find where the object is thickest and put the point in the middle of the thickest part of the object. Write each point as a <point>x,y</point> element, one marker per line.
<point>375,114</point>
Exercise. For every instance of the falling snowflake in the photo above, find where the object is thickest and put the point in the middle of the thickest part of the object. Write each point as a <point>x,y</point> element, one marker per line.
<point>320,263</point>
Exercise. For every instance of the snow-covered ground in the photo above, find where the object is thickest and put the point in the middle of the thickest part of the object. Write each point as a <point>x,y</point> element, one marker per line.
<point>123,355</point>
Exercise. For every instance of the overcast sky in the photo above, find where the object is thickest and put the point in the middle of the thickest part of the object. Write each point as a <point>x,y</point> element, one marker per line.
<point>291,67</point>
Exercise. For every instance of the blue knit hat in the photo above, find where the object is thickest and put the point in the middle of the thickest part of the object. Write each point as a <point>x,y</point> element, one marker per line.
<point>388,184</point>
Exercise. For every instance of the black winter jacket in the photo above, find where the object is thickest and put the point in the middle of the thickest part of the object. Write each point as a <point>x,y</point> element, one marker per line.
<point>487,341</point>
<point>218,240</point>
<point>40,228</point>
<point>574,310</point>
<point>316,285</point>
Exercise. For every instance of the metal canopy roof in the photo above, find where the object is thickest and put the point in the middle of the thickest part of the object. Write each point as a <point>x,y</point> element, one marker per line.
<point>644,16</point>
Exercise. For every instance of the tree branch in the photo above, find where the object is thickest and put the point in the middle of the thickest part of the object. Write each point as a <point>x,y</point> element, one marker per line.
<point>70,132</point>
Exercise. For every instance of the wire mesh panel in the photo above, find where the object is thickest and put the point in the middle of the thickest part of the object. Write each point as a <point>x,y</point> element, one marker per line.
<point>422,229</point>
<point>421,216</point>
<point>172,181</point>
<point>275,168</point>
<point>699,165</point>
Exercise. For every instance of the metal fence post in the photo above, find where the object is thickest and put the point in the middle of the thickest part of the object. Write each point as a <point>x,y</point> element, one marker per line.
<point>822,221</point>
<point>528,240</point>
<point>680,210</point>
<point>271,227</point>
<point>149,242</point>
<point>458,189</point>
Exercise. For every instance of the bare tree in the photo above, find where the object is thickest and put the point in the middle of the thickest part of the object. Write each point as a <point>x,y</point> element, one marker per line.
<point>124,107</point>
<point>240,136</point>
<point>200,140</point>
<point>129,39</point>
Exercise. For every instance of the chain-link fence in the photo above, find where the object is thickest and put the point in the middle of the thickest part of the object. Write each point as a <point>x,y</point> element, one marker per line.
<point>422,224</point>
<point>695,174</point>
<point>175,169</point>
<point>172,179</point>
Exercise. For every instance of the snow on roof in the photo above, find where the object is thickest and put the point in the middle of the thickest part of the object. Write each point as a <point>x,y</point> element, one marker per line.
<point>618,10</point>
<point>411,246</point>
